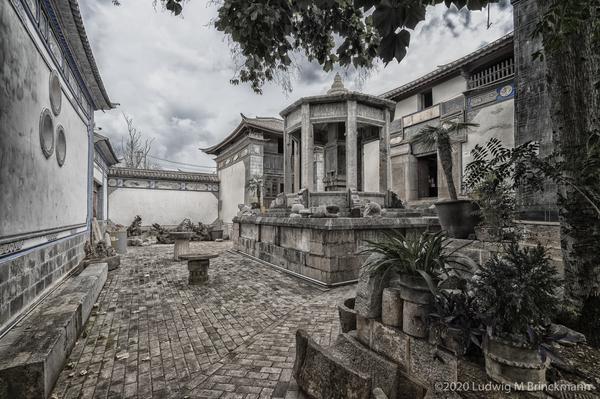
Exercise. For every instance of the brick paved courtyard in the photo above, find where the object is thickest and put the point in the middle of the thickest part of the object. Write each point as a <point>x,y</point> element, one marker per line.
<point>152,335</point>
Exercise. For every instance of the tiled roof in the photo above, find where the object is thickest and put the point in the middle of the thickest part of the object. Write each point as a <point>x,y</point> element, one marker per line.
<point>163,175</point>
<point>269,124</point>
<point>451,68</point>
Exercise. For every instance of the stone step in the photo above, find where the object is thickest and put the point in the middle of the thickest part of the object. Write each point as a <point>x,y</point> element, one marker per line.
<point>33,352</point>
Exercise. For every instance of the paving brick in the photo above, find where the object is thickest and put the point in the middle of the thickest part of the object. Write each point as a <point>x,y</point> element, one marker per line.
<point>152,335</point>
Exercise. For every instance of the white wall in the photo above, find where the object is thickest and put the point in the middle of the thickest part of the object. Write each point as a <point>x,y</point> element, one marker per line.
<point>165,207</point>
<point>406,107</point>
<point>36,194</point>
<point>496,120</point>
<point>232,189</point>
<point>448,89</point>
<point>370,158</point>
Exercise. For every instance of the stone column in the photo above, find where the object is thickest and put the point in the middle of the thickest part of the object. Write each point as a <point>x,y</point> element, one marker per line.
<point>351,146</point>
<point>384,139</point>
<point>287,160</point>
<point>297,171</point>
<point>308,143</point>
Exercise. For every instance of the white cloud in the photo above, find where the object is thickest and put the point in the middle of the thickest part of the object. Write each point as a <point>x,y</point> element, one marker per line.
<point>171,74</point>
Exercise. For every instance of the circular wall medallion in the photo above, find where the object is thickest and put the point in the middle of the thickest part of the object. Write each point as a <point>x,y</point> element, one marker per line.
<point>47,133</point>
<point>61,145</point>
<point>55,93</point>
<point>506,91</point>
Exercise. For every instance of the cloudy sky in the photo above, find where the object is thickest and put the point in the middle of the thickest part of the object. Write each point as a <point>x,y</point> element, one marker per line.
<point>171,74</point>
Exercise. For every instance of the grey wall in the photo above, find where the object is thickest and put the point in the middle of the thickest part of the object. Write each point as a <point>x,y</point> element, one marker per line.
<point>43,207</point>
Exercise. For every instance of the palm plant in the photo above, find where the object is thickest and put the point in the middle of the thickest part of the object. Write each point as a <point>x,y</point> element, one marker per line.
<point>439,137</point>
<point>427,255</point>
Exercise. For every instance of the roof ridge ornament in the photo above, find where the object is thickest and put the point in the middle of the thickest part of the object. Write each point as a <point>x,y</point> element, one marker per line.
<point>338,86</point>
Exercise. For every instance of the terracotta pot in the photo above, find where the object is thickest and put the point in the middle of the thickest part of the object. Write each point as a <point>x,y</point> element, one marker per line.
<point>458,218</point>
<point>519,366</point>
<point>417,304</point>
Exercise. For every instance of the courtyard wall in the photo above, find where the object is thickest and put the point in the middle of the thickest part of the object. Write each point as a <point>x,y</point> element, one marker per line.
<point>163,197</point>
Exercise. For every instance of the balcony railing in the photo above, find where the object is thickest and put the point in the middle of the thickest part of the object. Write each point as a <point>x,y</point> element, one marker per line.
<point>493,74</point>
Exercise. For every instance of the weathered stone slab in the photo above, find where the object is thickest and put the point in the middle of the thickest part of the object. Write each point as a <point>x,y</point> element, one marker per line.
<point>323,375</point>
<point>369,291</point>
<point>384,374</point>
<point>390,342</point>
<point>34,350</point>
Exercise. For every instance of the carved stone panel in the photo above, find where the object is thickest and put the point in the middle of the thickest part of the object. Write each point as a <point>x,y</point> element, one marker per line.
<point>331,110</point>
<point>366,111</point>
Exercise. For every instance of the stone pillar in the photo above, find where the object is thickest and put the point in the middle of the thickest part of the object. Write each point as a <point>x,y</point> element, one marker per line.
<point>297,171</point>
<point>319,169</point>
<point>287,160</point>
<point>411,177</point>
<point>351,147</point>
<point>384,139</point>
<point>308,143</point>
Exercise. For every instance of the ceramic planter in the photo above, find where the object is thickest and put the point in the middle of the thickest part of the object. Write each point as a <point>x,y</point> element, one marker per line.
<point>517,365</point>
<point>417,305</point>
<point>458,218</point>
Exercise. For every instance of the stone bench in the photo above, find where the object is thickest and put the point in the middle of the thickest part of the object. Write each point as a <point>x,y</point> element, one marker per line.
<point>33,351</point>
<point>198,267</point>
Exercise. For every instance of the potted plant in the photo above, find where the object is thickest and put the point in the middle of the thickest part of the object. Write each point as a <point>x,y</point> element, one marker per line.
<point>515,296</point>
<point>456,216</point>
<point>454,324</point>
<point>496,208</point>
<point>415,263</point>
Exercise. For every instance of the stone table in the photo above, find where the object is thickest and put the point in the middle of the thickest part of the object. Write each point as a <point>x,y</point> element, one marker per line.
<point>182,243</point>
<point>198,267</point>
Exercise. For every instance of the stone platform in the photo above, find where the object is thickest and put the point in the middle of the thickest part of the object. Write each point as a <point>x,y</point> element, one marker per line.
<point>33,352</point>
<point>323,250</point>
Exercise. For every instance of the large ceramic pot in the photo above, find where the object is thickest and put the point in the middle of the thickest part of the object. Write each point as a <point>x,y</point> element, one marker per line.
<point>519,366</point>
<point>417,304</point>
<point>458,218</point>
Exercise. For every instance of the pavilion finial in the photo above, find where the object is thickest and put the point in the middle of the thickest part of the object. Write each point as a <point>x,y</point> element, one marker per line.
<point>337,86</point>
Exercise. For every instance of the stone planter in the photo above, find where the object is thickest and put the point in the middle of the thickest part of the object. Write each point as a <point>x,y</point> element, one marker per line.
<point>417,304</point>
<point>113,262</point>
<point>119,241</point>
<point>347,315</point>
<point>458,218</point>
<point>216,235</point>
<point>450,338</point>
<point>517,365</point>
<point>182,243</point>
<point>391,307</point>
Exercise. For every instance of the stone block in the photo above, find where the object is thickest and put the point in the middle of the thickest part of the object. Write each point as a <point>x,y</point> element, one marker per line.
<point>324,375</point>
<point>384,374</point>
<point>369,291</point>
<point>391,307</point>
<point>347,315</point>
<point>431,364</point>
<point>390,342</point>
<point>363,329</point>
<point>34,350</point>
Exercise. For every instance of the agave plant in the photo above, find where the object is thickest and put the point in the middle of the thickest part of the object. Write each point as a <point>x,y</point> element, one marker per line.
<point>426,254</point>
<point>439,136</point>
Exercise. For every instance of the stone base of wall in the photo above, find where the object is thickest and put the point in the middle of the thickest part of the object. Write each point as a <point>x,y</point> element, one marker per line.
<point>324,250</point>
<point>24,278</point>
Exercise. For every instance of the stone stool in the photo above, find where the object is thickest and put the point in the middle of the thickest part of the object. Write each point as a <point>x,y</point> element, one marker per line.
<point>198,267</point>
<point>182,243</point>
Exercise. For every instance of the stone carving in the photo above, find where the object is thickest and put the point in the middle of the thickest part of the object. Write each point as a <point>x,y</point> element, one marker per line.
<point>296,208</point>
<point>199,231</point>
<point>47,132</point>
<point>245,210</point>
<point>393,200</point>
<point>279,201</point>
<point>338,86</point>
<point>101,252</point>
<point>55,93</point>
<point>162,234</point>
<point>319,212</point>
<point>372,209</point>
<point>135,228</point>
<point>61,146</point>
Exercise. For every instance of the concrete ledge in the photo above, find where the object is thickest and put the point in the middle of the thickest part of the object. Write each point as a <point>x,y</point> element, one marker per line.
<point>33,352</point>
<point>342,223</point>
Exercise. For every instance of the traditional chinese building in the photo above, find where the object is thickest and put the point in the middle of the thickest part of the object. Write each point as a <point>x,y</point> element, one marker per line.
<point>104,158</point>
<point>50,89</point>
<point>253,150</point>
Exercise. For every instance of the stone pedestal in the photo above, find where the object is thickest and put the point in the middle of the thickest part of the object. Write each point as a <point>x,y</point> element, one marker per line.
<point>198,267</point>
<point>182,243</point>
